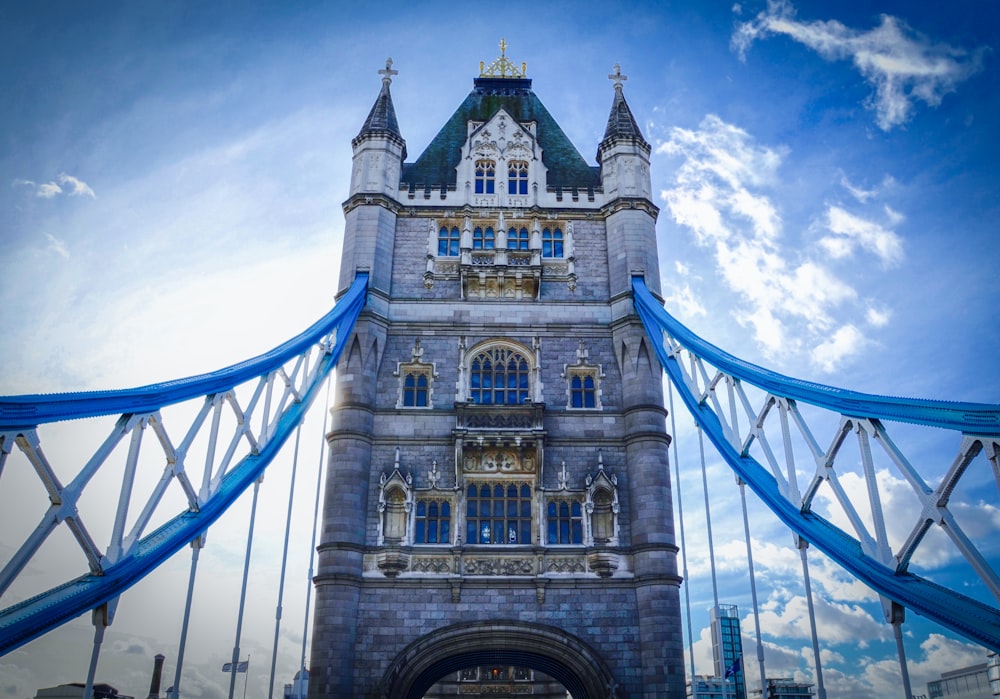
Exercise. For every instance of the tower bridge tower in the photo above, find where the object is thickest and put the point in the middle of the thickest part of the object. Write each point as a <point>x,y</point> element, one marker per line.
<point>498,488</point>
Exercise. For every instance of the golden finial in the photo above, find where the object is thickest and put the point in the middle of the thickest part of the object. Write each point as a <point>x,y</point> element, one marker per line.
<point>502,67</point>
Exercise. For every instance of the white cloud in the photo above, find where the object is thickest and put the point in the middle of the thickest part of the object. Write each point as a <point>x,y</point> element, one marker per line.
<point>48,190</point>
<point>846,341</point>
<point>79,187</point>
<point>790,299</point>
<point>900,64</point>
<point>851,231</point>
<point>878,317</point>
<point>685,300</point>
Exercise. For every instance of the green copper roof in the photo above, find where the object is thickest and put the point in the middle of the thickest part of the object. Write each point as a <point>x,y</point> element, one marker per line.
<point>436,165</point>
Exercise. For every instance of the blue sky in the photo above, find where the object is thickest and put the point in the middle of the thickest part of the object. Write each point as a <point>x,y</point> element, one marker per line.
<point>171,177</point>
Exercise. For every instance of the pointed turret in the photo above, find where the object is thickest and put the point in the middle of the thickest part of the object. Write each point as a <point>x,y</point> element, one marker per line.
<point>624,153</point>
<point>621,123</point>
<point>379,151</point>
<point>379,148</point>
<point>381,119</point>
<point>624,159</point>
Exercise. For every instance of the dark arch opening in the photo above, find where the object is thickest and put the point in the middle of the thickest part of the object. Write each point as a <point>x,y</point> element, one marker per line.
<point>564,658</point>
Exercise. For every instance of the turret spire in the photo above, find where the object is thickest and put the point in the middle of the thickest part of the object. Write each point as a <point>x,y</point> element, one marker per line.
<point>621,123</point>
<point>382,118</point>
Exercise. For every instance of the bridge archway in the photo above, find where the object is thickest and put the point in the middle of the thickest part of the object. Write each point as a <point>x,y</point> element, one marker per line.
<point>547,649</point>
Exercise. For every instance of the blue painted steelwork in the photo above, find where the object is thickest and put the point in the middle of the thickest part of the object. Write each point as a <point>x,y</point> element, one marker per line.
<point>970,618</point>
<point>19,412</point>
<point>31,618</point>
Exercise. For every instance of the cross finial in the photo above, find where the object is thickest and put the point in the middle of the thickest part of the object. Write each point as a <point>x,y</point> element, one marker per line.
<point>617,76</point>
<point>503,46</point>
<point>388,72</point>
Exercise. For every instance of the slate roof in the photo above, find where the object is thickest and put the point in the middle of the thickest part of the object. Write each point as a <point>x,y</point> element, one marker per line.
<point>382,118</point>
<point>621,123</point>
<point>436,165</point>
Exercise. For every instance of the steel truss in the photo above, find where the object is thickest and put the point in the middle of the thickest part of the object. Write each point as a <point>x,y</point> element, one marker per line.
<point>738,405</point>
<point>246,413</point>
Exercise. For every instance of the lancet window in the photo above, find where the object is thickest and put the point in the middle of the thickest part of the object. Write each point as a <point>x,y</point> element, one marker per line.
<point>483,238</point>
<point>518,239</point>
<point>486,171</point>
<point>517,177</point>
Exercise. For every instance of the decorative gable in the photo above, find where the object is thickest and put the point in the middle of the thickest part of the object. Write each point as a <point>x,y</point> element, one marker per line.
<point>501,162</point>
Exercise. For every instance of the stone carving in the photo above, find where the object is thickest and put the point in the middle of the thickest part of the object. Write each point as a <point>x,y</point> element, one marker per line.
<point>431,565</point>
<point>565,565</point>
<point>499,566</point>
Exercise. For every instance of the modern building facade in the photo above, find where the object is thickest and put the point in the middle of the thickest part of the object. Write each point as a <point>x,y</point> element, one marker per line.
<point>498,489</point>
<point>727,648</point>
<point>965,683</point>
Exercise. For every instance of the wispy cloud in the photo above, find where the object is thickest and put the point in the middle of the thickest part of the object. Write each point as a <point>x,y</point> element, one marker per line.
<point>57,246</point>
<point>851,232</point>
<point>79,188</point>
<point>73,186</point>
<point>901,65</point>
<point>790,296</point>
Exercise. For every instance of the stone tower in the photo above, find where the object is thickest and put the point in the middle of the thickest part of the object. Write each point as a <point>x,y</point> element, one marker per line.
<point>498,492</point>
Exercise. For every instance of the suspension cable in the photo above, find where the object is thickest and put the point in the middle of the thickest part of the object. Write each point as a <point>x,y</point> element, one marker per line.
<point>243,592</point>
<point>312,540</point>
<point>284,562</point>
<point>680,518</point>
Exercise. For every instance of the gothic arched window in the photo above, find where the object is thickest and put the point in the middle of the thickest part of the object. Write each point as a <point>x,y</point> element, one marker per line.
<point>499,375</point>
<point>486,171</point>
<point>517,177</point>
<point>552,242</point>
<point>498,513</point>
<point>517,239</point>
<point>448,241</point>
<point>483,238</point>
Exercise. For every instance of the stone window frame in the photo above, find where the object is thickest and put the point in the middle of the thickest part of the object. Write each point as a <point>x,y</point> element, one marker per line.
<point>416,368</point>
<point>531,356</point>
<point>583,370</point>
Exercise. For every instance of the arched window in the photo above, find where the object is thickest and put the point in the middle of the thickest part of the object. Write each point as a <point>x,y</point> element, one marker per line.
<point>498,513</point>
<point>552,242</point>
<point>415,386</point>
<point>448,241</point>
<point>483,238</point>
<point>517,239</point>
<point>499,375</point>
<point>485,176</point>
<point>517,177</point>
<point>565,522</point>
<point>432,523</point>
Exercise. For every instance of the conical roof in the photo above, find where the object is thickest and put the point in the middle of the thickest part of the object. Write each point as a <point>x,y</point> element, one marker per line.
<point>381,119</point>
<point>621,123</point>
